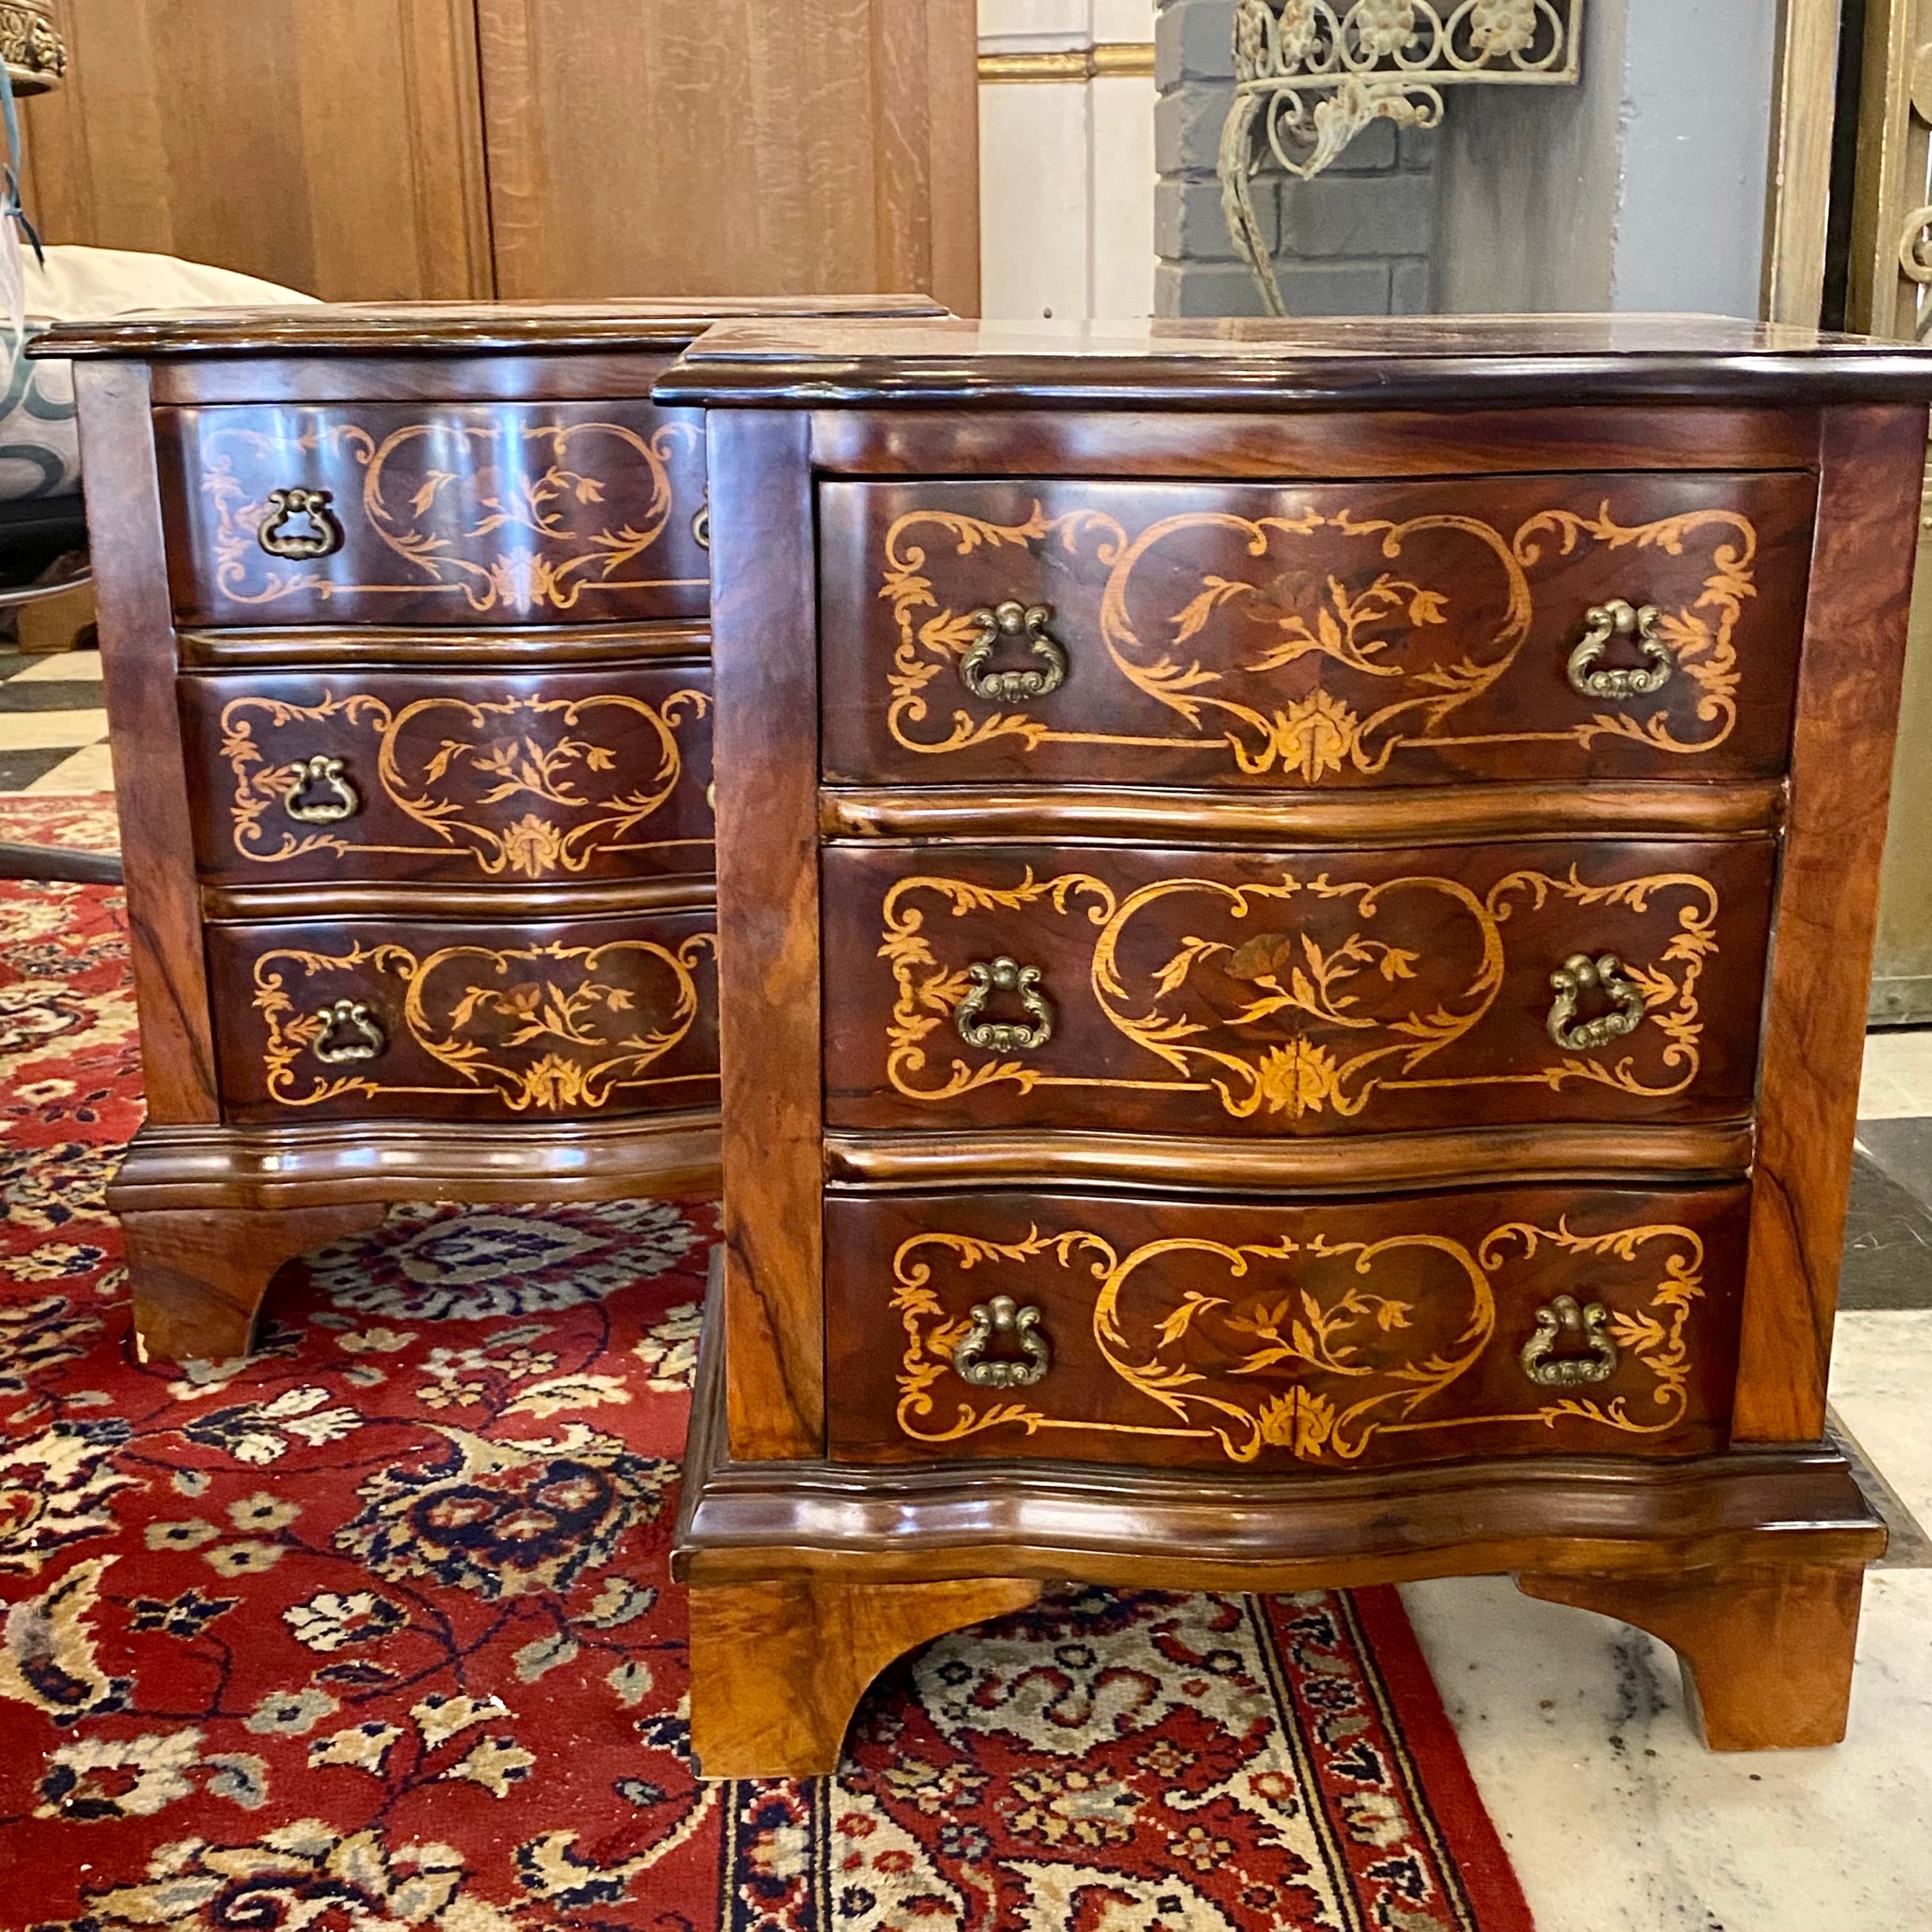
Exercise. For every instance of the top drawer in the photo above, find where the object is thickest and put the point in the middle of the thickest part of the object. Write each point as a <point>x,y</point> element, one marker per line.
<point>433,513</point>
<point>1313,636</point>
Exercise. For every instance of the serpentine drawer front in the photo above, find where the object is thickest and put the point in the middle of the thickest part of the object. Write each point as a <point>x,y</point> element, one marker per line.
<point>435,513</point>
<point>1316,635</point>
<point>1293,907</point>
<point>347,1018</point>
<point>1319,992</point>
<point>1258,1336</point>
<point>465,777</point>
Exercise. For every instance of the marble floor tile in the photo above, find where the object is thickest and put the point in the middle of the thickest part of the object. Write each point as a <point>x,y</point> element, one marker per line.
<point>29,730</point>
<point>57,668</point>
<point>1618,1820</point>
<point>1898,1074</point>
<point>90,768</point>
<point>1888,1260</point>
<point>1904,1148</point>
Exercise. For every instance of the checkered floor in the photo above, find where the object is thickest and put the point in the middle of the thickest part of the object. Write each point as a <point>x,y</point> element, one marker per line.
<point>53,729</point>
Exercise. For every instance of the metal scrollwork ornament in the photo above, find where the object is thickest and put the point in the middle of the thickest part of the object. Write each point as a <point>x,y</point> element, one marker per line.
<point>1564,1322</point>
<point>1004,975</point>
<point>349,1032</point>
<point>339,800</point>
<point>1579,974</point>
<point>1013,621</point>
<point>1619,620</point>
<point>284,507</point>
<point>1014,1327</point>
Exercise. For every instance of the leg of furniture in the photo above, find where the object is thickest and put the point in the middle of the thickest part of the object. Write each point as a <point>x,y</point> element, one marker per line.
<point>199,1275</point>
<point>1766,1651</point>
<point>777,1667</point>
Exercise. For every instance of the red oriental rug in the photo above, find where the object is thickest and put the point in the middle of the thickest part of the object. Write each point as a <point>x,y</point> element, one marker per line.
<point>375,1631</point>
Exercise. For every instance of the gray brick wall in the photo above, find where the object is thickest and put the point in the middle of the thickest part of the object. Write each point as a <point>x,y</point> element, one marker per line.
<point>1355,241</point>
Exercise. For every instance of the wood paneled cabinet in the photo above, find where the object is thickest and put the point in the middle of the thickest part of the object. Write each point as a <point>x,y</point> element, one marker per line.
<point>401,150</point>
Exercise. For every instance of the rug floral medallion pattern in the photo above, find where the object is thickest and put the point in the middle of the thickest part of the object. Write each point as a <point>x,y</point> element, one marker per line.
<point>375,1631</point>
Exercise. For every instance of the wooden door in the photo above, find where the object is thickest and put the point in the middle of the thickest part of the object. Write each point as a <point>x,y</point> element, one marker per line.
<point>732,147</point>
<point>335,148</point>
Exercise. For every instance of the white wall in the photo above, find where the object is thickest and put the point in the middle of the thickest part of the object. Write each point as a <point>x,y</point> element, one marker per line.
<point>1643,189</point>
<point>1067,168</point>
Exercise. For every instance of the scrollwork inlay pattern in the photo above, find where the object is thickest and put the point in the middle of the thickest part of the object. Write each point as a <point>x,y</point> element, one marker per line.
<point>582,805</point>
<point>1328,1053</point>
<point>514,519</point>
<point>1289,1345</point>
<point>547,1028</point>
<point>1353,629</point>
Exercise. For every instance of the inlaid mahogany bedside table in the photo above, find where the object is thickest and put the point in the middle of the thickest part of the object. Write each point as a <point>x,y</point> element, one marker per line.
<point>1294,905</point>
<point>403,616</point>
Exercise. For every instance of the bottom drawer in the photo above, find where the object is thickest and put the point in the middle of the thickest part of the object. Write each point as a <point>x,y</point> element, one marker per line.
<point>1524,1321</point>
<point>360,1019</point>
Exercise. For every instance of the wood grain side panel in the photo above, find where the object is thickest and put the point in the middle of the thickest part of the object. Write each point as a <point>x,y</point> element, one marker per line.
<point>765,661</point>
<point>1231,443</point>
<point>1243,1336</point>
<point>1264,995</point>
<point>535,781</point>
<point>137,653</point>
<point>1314,637</point>
<point>1872,467</point>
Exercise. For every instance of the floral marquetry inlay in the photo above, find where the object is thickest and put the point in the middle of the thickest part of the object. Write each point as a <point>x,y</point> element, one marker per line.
<point>1333,646</point>
<point>524,786</point>
<point>1314,1345</point>
<point>549,1028</point>
<point>1305,993</point>
<point>536,514</point>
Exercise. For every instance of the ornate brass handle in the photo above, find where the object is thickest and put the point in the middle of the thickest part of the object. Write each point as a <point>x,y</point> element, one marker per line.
<point>1004,975</point>
<point>284,506</point>
<point>1013,687</point>
<point>1019,1327</point>
<point>1619,620</point>
<point>1575,976</point>
<point>360,1034</point>
<point>326,775</point>
<point>1564,1321</point>
<point>701,524</point>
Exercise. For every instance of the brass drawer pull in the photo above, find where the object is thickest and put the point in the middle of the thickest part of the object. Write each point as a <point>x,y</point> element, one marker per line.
<point>1013,687</point>
<point>326,775</point>
<point>1619,620</point>
<point>1004,975</point>
<point>284,506</point>
<point>349,1031</point>
<point>1564,1321</point>
<point>1018,1327</point>
<point>1575,976</point>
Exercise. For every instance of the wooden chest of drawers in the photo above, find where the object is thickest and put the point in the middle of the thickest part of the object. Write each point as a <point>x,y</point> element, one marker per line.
<point>1295,905</point>
<point>404,614</point>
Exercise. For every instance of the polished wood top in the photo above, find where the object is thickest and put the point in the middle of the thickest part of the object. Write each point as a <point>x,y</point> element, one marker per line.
<point>1423,360</point>
<point>389,329</point>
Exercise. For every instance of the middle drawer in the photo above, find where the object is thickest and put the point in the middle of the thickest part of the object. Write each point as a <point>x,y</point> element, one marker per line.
<point>450,778</point>
<point>1312,992</point>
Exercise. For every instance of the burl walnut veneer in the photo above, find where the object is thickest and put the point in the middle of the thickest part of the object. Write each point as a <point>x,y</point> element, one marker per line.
<point>1294,903</point>
<point>403,616</point>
